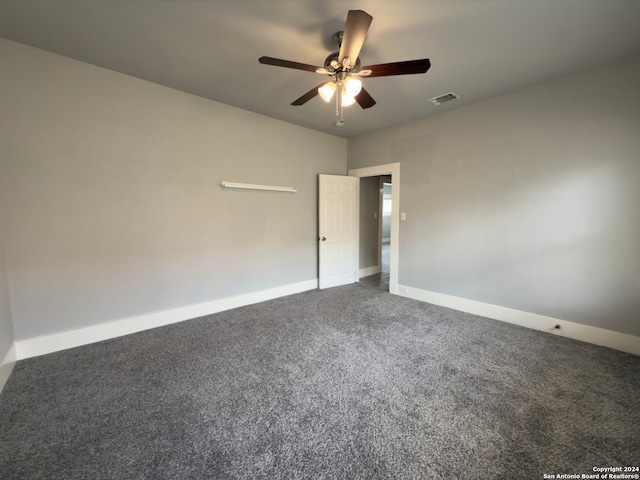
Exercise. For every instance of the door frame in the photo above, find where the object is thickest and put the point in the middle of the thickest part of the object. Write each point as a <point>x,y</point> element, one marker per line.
<point>392,169</point>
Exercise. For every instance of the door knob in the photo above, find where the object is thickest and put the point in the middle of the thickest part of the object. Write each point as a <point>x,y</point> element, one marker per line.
<point>324,239</point>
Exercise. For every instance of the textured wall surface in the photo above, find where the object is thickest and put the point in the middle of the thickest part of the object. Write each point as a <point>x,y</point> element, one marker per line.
<point>529,200</point>
<point>116,208</point>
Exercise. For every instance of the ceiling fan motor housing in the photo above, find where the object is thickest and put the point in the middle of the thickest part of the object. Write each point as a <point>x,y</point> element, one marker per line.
<point>332,63</point>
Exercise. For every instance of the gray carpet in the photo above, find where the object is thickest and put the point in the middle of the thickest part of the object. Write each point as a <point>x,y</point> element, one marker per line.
<point>345,383</point>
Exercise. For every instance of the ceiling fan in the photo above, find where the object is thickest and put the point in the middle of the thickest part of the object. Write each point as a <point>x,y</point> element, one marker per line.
<point>344,68</point>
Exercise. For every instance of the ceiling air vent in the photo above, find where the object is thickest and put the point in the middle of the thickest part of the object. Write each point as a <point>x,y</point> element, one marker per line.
<point>447,97</point>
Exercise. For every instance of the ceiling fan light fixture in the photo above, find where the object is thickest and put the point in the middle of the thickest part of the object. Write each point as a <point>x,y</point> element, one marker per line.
<point>344,68</point>
<point>347,99</point>
<point>352,86</point>
<point>326,91</point>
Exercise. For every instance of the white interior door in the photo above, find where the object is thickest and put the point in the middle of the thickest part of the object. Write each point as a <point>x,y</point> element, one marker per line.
<point>339,230</point>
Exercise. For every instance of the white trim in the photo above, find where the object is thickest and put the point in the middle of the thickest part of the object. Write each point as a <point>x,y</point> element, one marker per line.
<point>365,272</point>
<point>577,331</point>
<point>7,364</point>
<point>32,347</point>
<point>392,169</point>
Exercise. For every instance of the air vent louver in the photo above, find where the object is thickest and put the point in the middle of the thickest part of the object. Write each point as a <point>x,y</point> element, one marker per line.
<point>447,97</point>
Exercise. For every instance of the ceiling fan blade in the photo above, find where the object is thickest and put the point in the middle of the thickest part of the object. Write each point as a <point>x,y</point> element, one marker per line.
<point>355,31</point>
<point>287,63</point>
<point>398,68</point>
<point>364,99</point>
<point>307,96</point>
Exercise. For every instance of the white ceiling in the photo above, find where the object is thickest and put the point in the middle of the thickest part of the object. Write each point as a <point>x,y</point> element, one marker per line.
<point>478,48</point>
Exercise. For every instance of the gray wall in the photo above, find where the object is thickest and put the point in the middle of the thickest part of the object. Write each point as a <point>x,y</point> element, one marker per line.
<point>115,204</point>
<point>369,205</point>
<point>6,324</point>
<point>530,200</point>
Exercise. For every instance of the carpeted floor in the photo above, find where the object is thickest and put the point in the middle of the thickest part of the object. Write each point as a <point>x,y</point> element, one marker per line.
<point>345,383</point>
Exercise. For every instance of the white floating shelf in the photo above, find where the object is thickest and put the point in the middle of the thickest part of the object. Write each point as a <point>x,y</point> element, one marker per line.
<point>251,186</point>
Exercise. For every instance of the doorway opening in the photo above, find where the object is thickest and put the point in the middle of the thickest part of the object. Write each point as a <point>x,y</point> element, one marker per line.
<point>376,206</point>
<point>386,241</point>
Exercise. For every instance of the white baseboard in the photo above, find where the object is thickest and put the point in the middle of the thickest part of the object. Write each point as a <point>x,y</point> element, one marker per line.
<point>32,347</point>
<point>365,272</point>
<point>598,336</point>
<point>7,364</point>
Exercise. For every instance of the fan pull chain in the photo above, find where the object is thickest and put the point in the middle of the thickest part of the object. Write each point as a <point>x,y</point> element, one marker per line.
<point>339,106</point>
